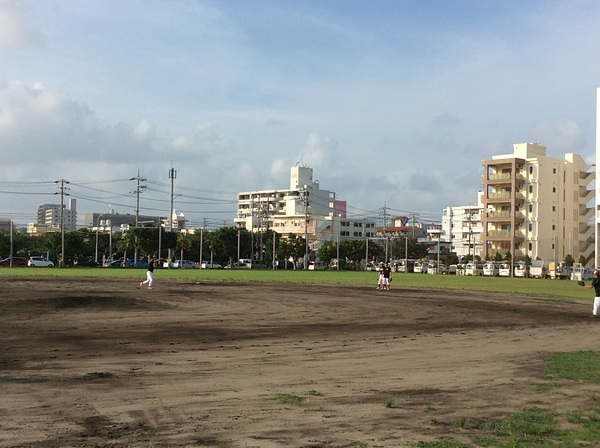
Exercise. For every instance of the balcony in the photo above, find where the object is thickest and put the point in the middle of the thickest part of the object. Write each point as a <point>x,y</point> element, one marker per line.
<point>495,233</point>
<point>586,214</point>
<point>585,195</point>
<point>505,235</point>
<point>588,176</point>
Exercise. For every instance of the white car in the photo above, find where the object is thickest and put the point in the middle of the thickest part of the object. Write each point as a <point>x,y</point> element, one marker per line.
<point>209,265</point>
<point>40,262</point>
<point>185,264</point>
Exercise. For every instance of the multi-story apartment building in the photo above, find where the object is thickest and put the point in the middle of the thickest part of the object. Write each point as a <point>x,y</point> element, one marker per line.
<point>536,206</point>
<point>49,218</point>
<point>597,189</point>
<point>462,228</point>
<point>302,209</point>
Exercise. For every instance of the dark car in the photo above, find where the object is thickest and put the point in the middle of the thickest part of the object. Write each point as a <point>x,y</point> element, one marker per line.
<point>85,262</point>
<point>16,261</point>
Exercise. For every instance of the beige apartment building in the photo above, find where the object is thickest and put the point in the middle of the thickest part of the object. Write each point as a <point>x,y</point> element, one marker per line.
<point>537,206</point>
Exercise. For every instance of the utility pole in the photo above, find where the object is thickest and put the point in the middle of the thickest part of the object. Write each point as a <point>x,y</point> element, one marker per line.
<point>62,193</point>
<point>384,213</point>
<point>304,201</point>
<point>172,176</point>
<point>252,230</point>
<point>139,188</point>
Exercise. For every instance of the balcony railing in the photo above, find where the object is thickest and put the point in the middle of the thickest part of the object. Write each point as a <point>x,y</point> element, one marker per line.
<point>499,176</point>
<point>504,195</point>
<point>499,233</point>
<point>498,215</point>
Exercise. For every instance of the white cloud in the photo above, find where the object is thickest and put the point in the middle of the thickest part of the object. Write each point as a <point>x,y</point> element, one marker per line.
<point>560,136</point>
<point>14,31</point>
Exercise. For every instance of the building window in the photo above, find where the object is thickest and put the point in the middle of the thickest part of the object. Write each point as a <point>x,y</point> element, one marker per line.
<point>553,189</point>
<point>530,227</point>
<point>553,227</point>
<point>553,170</point>
<point>530,208</point>
<point>531,189</point>
<point>530,170</point>
<point>554,208</point>
<point>530,247</point>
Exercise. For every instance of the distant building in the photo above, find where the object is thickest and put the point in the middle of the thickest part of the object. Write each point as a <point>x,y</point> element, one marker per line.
<point>302,208</point>
<point>537,206</point>
<point>462,228</point>
<point>49,218</point>
<point>5,225</point>
<point>118,220</point>
<point>597,233</point>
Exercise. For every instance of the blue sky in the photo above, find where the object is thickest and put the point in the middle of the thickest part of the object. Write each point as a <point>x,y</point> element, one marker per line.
<point>391,103</point>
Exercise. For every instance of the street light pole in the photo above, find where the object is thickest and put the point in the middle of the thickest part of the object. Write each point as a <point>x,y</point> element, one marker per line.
<point>305,228</point>
<point>109,242</point>
<point>97,225</point>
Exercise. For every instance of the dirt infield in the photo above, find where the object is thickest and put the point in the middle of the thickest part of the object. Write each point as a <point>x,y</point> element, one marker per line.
<point>90,362</point>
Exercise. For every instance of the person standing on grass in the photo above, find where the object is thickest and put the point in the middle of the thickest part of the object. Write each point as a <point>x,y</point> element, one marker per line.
<point>387,276</point>
<point>596,285</point>
<point>150,272</point>
<point>380,276</point>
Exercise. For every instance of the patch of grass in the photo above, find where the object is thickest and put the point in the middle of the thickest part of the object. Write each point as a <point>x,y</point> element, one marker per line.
<point>389,403</point>
<point>546,386</point>
<point>537,427</point>
<point>314,393</point>
<point>535,422</point>
<point>442,444</point>
<point>466,423</point>
<point>285,398</point>
<point>578,366</point>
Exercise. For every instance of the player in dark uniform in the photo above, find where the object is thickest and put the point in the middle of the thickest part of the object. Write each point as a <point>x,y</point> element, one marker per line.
<point>150,272</point>
<point>596,286</point>
<point>387,276</point>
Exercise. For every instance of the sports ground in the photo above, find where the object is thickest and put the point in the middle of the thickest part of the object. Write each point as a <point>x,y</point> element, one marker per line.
<point>98,362</point>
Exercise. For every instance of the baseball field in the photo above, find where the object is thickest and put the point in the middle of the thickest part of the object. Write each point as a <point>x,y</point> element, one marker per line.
<point>202,362</point>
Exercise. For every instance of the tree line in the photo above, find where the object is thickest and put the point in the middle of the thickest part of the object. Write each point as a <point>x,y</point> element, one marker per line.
<point>223,245</point>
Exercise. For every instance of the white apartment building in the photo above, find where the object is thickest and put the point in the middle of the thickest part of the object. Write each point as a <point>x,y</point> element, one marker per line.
<point>302,209</point>
<point>49,218</point>
<point>462,228</point>
<point>537,206</point>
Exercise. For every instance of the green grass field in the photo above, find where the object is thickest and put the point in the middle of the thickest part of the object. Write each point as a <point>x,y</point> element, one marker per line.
<point>555,289</point>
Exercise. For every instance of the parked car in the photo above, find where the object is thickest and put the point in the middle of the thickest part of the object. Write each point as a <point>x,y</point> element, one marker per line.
<point>185,264</point>
<point>16,261</point>
<point>521,270</point>
<point>243,263</point>
<point>504,270</point>
<point>491,270</point>
<point>284,264</point>
<point>85,262</point>
<point>474,269</point>
<point>405,266</point>
<point>316,266</point>
<point>209,265</point>
<point>420,267</point>
<point>40,262</point>
<point>142,263</point>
